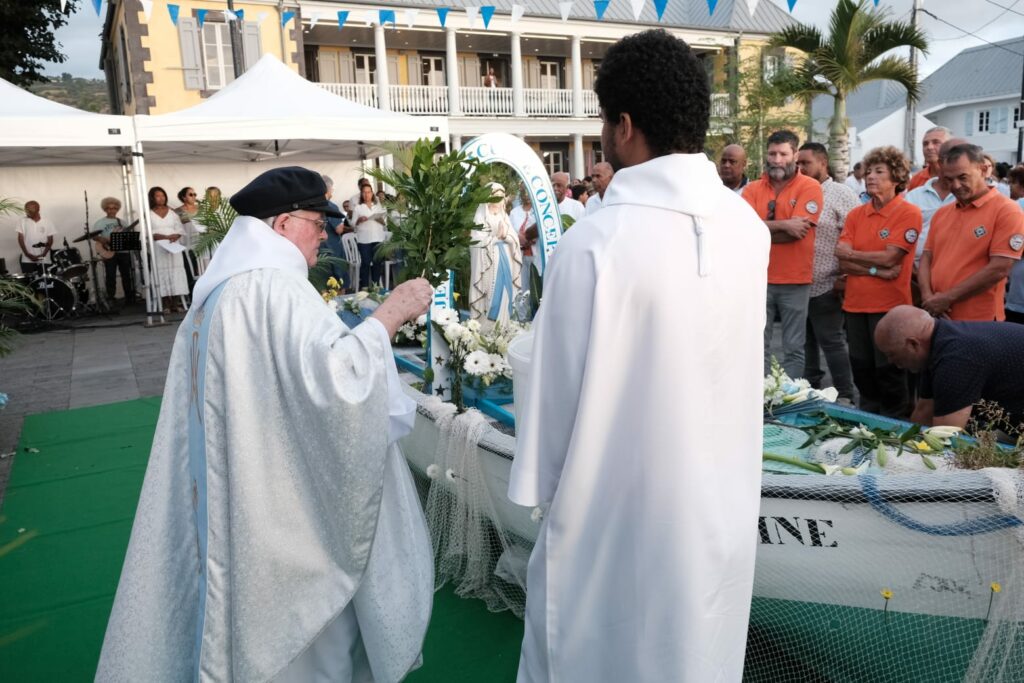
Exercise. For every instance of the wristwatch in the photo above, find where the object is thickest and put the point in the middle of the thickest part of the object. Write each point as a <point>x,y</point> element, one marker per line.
<point>872,271</point>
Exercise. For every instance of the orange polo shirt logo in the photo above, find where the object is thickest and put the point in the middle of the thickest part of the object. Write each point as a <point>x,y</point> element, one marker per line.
<point>790,263</point>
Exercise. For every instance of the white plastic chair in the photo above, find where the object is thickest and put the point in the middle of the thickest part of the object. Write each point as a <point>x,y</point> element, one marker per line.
<point>388,264</point>
<point>351,249</point>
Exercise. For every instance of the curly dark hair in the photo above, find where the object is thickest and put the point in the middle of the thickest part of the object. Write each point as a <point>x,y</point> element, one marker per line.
<point>895,159</point>
<point>182,193</point>
<point>658,80</point>
<point>152,195</point>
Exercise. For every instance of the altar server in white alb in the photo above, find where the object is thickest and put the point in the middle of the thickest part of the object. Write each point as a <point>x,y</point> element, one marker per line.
<point>278,536</point>
<point>642,426</point>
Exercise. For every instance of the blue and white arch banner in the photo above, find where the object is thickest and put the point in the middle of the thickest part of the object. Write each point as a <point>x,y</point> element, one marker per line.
<point>513,152</point>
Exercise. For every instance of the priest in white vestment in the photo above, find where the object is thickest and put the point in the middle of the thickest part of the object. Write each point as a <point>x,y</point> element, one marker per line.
<point>279,536</point>
<point>641,434</point>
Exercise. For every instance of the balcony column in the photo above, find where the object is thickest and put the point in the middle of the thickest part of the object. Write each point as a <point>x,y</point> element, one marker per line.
<point>451,65</point>
<point>577,79</point>
<point>456,142</point>
<point>381,55</point>
<point>577,170</point>
<point>518,100</point>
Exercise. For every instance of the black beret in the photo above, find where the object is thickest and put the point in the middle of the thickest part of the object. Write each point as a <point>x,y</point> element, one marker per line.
<point>281,190</point>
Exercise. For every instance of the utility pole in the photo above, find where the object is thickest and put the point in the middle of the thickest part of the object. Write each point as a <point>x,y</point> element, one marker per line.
<point>1020,122</point>
<point>235,31</point>
<point>910,120</point>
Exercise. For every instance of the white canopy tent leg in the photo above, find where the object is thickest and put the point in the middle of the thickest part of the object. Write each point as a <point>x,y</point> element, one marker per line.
<point>153,299</point>
<point>126,182</point>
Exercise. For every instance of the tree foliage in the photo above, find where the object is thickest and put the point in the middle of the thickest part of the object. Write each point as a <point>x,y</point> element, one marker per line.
<point>437,200</point>
<point>27,38</point>
<point>854,53</point>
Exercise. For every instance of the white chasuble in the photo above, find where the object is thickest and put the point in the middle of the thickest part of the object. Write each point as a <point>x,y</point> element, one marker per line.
<point>642,434</point>
<point>319,564</point>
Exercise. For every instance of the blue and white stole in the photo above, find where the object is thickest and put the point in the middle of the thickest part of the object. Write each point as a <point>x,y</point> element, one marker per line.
<point>199,320</point>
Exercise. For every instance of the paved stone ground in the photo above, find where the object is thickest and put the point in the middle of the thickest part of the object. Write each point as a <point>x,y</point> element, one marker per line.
<point>103,361</point>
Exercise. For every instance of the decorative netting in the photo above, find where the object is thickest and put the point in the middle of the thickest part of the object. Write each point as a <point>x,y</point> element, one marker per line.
<point>896,574</point>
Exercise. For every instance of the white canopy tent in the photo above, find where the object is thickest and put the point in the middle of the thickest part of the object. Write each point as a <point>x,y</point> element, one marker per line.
<point>268,114</point>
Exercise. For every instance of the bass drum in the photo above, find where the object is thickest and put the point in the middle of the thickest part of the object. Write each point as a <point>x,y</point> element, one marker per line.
<point>57,297</point>
<point>64,258</point>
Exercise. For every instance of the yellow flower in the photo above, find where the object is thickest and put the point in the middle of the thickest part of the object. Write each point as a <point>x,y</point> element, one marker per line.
<point>332,283</point>
<point>922,446</point>
<point>996,588</point>
<point>886,593</point>
<point>455,295</point>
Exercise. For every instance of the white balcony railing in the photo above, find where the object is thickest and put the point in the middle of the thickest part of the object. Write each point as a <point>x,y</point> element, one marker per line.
<point>486,101</point>
<point>419,99</point>
<point>541,102</point>
<point>720,106</point>
<point>362,93</point>
<point>590,105</point>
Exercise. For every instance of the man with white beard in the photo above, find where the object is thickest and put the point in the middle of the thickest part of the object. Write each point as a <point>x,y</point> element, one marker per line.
<point>278,534</point>
<point>642,425</point>
<point>602,175</point>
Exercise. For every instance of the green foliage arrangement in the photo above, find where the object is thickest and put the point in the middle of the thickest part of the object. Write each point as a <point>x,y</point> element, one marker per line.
<point>216,218</point>
<point>438,198</point>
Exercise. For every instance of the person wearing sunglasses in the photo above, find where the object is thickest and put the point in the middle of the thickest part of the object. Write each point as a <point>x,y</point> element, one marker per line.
<point>789,203</point>
<point>279,535</point>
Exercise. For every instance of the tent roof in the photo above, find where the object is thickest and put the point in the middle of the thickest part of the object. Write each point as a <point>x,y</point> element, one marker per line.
<point>272,112</point>
<point>35,130</point>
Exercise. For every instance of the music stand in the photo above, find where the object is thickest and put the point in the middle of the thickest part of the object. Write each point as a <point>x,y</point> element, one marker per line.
<point>125,241</point>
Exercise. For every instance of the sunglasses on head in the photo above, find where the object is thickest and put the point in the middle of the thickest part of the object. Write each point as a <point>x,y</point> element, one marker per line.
<point>771,211</point>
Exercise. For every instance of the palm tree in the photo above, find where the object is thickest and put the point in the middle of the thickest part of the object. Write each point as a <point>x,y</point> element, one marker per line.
<point>852,55</point>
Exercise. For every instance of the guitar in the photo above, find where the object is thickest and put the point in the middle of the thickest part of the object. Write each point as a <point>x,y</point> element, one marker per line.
<point>101,249</point>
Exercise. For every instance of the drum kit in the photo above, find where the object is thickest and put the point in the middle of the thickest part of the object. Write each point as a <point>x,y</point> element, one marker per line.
<point>62,288</point>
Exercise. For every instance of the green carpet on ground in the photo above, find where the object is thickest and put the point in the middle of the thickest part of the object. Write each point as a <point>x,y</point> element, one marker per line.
<point>64,530</point>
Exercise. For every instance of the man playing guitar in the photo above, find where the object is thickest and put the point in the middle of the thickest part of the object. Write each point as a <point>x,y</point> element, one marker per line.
<point>114,261</point>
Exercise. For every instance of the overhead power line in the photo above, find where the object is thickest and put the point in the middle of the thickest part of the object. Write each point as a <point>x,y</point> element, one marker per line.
<point>1008,9</point>
<point>971,33</point>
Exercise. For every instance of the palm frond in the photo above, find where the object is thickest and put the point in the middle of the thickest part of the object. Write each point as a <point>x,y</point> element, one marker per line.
<point>217,220</point>
<point>890,36</point>
<point>801,37</point>
<point>894,69</point>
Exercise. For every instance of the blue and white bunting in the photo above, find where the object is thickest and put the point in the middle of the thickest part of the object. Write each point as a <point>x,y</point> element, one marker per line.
<point>517,14</point>
<point>659,6</point>
<point>173,10</point>
<point>201,16</point>
<point>410,17</point>
<point>286,17</point>
<point>147,9</point>
<point>342,18</point>
<point>240,14</point>
<point>712,4</point>
<point>442,15</point>
<point>487,12</point>
<point>637,6</point>
<point>792,4</point>
<point>752,6</point>
<point>386,15</point>
<point>600,7</point>
<point>471,15</point>
<point>564,8</point>
<point>314,18</point>
<point>96,6</point>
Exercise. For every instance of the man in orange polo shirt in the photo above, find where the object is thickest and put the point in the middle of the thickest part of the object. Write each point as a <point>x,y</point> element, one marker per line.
<point>972,244</point>
<point>789,203</point>
<point>930,144</point>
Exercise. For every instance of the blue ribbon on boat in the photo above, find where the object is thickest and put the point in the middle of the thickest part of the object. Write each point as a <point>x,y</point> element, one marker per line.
<point>973,527</point>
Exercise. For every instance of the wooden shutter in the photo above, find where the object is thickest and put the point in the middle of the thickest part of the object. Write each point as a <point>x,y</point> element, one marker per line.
<point>533,73</point>
<point>191,53</point>
<point>1002,116</point>
<point>415,69</point>
<point>329,66</point>
<point>969,123</point>
<point>348,68</point>
<point>469,71</point>
<point>393,70</point>
<point>252,46</point>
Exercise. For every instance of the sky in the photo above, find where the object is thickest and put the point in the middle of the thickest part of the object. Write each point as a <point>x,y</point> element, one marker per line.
<point>988,19</point>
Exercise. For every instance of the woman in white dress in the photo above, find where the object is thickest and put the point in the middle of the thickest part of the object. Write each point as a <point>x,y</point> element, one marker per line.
<point>169,268</point>
<point>495,262</point>
<point>369,218</point>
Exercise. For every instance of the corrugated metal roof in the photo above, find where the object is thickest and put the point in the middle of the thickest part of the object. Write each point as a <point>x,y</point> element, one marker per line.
<point>730,16</point>
<point>977,73</point>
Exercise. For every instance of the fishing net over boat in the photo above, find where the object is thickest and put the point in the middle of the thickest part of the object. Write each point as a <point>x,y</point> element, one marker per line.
<point>896,574</point>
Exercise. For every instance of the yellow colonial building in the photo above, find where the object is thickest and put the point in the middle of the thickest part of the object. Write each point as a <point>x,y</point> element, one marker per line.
<point>523,69</point>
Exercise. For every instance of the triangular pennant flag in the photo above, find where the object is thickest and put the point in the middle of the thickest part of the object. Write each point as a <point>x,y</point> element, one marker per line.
<point>660,6</point>
<point>96,6</point>
<point>517,13</point>
<point>173,11</point>
<point>313,19</point>
<point>564,8</point>
<point>752,6</point>
<point>371,17</point>
<point>342,18</point>
<point>792,4</point>
<point>387,15</point>
<point>201,16</point>
<point>147,9</point>
<point>487,11</point>
<point>471,14</point>
<point>286,17</point>
<point>442,15</point>
<point>63,6</point>
<point>712,4</point>
<point>261,16</point>
<point>638,7</point>
<point>600,7</point>
<point>876,3</point>
<point>240,14</point>
<point>230,16</point>
<point>410,17</point>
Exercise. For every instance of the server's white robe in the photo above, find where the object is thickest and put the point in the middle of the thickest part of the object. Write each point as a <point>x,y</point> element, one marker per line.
<point>319,561</point>
<point>642,431</point>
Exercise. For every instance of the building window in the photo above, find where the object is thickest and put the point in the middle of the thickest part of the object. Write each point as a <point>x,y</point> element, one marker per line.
<point>1016,117</point>
<point>984,120</point>
<point>555,156</point>
<point>432,69</point>
<point>598,153</point>
<point>772,63</point>
<point>218,58</point>
<point>126,74</point>
<point>550,75</point>
<point>366,69</point>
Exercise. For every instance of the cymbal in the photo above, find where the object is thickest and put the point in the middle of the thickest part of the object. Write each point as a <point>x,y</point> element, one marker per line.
<point>88,236</point>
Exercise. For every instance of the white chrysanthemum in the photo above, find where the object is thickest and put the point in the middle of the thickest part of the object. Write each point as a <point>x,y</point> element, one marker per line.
<point>433,471</point>
<point>496,362</point>
<point>536,514</point>
<point>333,304</point>
<point>454,332</point>
<point>422,320</point>
<point>444,316</point>
<point>477,363</point>
<point>473,325</point>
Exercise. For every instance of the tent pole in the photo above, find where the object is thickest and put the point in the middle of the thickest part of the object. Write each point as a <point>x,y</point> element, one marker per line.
<point>126,190</point>
<point>153,301</point>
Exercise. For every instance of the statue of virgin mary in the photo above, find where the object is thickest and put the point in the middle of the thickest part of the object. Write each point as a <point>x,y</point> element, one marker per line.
<point>495,261</point>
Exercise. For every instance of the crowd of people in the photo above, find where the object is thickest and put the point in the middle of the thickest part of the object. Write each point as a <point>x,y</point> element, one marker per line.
<point>945,242</point>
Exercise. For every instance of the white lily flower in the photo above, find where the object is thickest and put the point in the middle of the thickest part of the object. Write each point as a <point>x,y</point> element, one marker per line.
<point>798,396</point>
<point>943,432</point>
<point>861,432</point>
<point>433,471</point>
<point>333,305</point>
<point>450,474</point>
<point>360,296</point>
<point>830,394</point>
<point>858,470</point>
<point>830,470</point>
<point>537,514</point>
